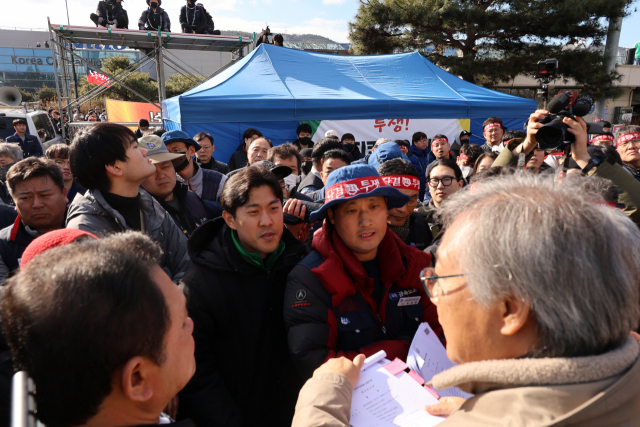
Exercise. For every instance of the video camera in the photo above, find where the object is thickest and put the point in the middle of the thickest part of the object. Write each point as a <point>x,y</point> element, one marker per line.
<point>294,220</point>
<point>553,135</point>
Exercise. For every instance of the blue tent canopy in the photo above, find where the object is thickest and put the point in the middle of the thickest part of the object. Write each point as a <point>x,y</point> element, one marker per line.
<point>275,84</point>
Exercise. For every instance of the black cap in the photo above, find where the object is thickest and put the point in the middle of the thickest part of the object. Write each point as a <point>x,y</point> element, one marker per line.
<point>465,133</point>
<point>606,124</point>
<point>306,152</point>
<point>19,122</point>
<point>279,171</point>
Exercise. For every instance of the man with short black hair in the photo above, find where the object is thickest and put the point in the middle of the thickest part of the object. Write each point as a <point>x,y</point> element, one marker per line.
<point>106,160</point>
<point>38,191</point>
<point>112,297</point>
<point>206,183</point>
<point>288,155</point>
<point>28,143</point>
<point>348,142</point>
<point>313,181</point>
<point>304,136</point>
<point>59,153</point>
<point>278,40</point>
<point>187,210</point>
<point>143,126</point>
<point>440,148</point>
<point>359,290</point>
<point>239,157</point>
<point>235,286</point>
<point>409,225</point>
<point>493,130</point>
<point>333,160</point>
<point>205,154</point>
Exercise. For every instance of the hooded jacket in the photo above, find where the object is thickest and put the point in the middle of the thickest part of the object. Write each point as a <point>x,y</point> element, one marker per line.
<point>244,373</point>
<point>592,391</point>
<point>329,309</point>
<point>91,212</point>
<point>154,20</point>
<point>420,160</point>
<point>238,158</point>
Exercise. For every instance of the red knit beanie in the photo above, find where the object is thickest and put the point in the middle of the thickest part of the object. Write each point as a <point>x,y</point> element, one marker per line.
<point>51,240</point>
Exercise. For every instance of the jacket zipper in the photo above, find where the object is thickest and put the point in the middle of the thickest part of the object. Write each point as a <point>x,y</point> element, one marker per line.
<point>384,330</point>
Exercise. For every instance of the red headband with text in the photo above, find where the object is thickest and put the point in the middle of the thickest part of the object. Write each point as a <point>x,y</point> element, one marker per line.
<point>463,156</point>
<point>353,187</point>
<point>602,138</point>
<point>439,140</point>
<point>402,181</point>
<point>492,125</point>
<point>627,137</point>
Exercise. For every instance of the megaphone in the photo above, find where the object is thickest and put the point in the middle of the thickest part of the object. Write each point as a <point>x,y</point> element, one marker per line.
<point>10,96</point>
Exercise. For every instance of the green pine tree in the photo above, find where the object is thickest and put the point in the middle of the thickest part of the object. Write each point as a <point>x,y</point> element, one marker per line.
<point>498,39</point>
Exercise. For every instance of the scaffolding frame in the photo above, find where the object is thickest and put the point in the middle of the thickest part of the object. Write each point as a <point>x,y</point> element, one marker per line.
<point>156,47</point>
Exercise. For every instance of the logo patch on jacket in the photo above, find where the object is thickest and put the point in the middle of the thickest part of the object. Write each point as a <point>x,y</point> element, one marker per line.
<point>393,296</point>
<point>301,294</point>
<point>345,320</point>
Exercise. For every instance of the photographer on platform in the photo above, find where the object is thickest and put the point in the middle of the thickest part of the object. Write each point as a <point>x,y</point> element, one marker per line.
<point>193,18</point>
<point>110,13</point>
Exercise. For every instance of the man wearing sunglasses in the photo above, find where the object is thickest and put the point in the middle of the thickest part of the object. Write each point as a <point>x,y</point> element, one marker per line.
<point>359,290</point>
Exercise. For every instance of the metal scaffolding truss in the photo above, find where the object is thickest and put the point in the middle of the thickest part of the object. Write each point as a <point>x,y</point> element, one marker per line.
<point>156,45</point>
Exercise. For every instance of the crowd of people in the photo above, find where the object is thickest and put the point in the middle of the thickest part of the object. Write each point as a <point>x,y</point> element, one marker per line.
<point>146,281</point>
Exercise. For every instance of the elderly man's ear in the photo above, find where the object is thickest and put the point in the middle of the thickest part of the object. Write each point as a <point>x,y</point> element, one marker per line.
<point>515,315</point>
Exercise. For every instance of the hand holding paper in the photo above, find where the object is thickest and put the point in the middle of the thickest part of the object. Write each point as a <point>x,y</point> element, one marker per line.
<point>343,366</point>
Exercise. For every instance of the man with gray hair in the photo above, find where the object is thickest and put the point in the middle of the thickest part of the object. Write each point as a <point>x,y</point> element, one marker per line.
<point>542,334</point>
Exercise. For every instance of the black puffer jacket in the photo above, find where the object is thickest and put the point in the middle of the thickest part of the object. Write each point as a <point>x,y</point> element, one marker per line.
<point>244,373</point>
<point>154,20</point>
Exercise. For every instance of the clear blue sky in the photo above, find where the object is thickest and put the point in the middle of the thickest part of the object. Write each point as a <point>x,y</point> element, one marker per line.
<point>322,17</point>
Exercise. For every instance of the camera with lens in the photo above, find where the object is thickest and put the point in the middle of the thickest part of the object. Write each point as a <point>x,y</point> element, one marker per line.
<point>294,220</point>
<point>554,134</point>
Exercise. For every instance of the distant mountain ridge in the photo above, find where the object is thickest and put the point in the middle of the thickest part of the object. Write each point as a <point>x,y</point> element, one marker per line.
<point>296,38</point>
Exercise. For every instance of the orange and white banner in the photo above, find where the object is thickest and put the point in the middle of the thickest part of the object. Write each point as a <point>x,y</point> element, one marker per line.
<point>127,111</point>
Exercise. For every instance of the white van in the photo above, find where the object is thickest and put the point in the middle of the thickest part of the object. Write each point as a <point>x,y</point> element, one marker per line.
<point>36,120</point>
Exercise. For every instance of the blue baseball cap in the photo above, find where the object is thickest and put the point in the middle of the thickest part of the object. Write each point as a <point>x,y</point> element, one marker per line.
<point>179,136</point>
<point>384,153</point>
<point>357,182</point>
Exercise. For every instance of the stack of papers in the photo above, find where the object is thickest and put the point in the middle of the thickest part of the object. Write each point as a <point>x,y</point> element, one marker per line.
<point>428,357</point>
<point>384,400</point>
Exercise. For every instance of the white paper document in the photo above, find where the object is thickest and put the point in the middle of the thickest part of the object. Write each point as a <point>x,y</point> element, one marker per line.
<point>384,400</point>
<point>428,357</point>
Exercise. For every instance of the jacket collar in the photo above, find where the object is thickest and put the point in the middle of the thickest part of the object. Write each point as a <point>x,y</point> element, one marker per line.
<point>153,213</point>
<point>343,274</point>
<point>211,246</point>
<point>478,377</point>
